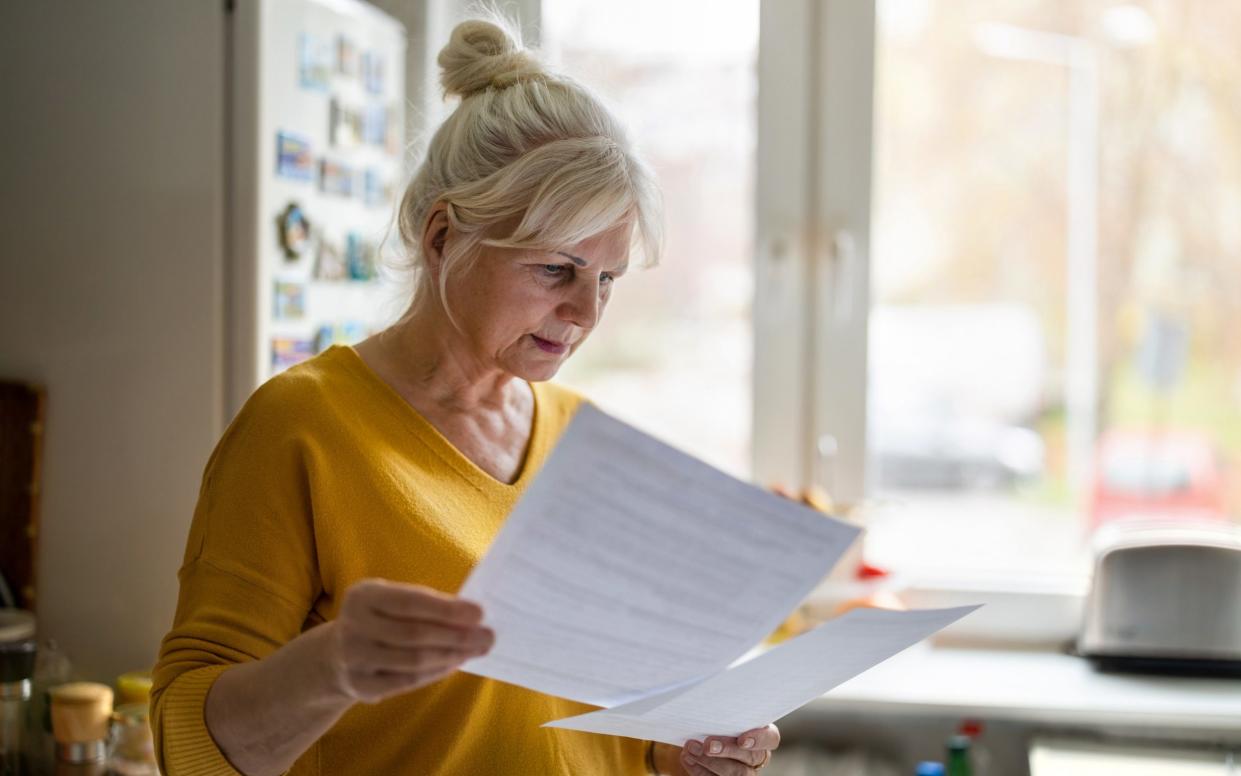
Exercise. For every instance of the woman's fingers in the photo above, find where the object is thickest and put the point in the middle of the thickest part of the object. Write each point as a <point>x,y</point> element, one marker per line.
<point>713,766</point>
<point>398,600</point>
<point>694,769</point>
<point>379,671</point>
<point>750,747</point>
<point>730,748</point>
<point>392,637</point>
<point>379,658</point>
<point>726,756</point>
<point>402,615</point>
<point>757,739</point>
<point>760,738</point>
<point>418,633</point>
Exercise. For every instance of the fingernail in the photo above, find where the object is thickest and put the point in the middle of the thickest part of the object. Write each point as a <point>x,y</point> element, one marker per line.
<point>748,743</point>
<point>694,747</point>
<point>716,747</point>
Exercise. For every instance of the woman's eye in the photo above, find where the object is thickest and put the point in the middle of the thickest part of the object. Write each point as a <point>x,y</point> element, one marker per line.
<point>606,278</point>
<point>553,270</point>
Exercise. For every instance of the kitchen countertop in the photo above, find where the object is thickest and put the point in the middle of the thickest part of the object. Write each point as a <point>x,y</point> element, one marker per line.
<point>1041,687</point>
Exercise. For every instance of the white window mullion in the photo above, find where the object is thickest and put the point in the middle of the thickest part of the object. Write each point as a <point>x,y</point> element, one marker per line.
<point>841,270</point>
<point>784,243</point>
<point>816,81</point>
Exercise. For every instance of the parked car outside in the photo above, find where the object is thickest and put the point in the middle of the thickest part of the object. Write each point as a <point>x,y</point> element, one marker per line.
<point>1157,474</point>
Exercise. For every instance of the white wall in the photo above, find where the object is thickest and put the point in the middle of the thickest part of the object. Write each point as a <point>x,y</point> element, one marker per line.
<point>111,203</point>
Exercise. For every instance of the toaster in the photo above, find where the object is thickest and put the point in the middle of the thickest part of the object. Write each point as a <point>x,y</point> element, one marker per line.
<point>1166,598</point>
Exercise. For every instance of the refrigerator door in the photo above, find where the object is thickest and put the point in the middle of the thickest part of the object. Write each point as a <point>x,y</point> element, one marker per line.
<point>317,151</point>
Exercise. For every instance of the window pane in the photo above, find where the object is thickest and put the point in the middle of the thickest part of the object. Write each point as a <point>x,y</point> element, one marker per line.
<point>1055,331</point>
<point>673,352</point>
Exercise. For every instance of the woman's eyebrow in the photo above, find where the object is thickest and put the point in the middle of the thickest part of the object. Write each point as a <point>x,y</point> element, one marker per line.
<point>576,259</point>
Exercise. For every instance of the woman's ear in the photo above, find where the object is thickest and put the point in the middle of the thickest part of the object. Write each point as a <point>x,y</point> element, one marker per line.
<point>434,236</point>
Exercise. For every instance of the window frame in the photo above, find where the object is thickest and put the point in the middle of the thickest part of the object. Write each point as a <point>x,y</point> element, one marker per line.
<point>813,293</point>
<point>812,262</point>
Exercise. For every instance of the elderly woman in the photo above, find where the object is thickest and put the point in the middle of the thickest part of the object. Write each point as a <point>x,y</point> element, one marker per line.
<point>316,632</point>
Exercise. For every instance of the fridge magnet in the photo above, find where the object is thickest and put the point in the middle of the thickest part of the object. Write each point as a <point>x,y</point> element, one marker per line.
<point>353,331</point>
<point>359,257</point>
<point>290,301</point>
<point>293,157</point>
<point>330,262</point>
<point>392,137</point>
<point>373,71</point>
<point>314,57</point>
<point>325,337</point>
<point>340,333</point>
<point>376,191</point>
<point>372,188</point>
<point>346,57</point>
<point>375,125</point>
<point>344,124</point>
<point>287,351</point>
<point>335,178</point>
<point>294,231</point>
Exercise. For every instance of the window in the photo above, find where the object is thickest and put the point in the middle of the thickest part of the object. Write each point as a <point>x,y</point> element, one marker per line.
<point>673,353</point>
<point>996,260</point>
<point>1056,268</point>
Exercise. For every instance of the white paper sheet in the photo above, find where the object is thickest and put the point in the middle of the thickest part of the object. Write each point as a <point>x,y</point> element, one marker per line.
<point>766,687</point>
<point>629,568</point>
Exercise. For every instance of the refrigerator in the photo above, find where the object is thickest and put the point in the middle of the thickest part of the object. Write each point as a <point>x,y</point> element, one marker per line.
<point>142,254</point>
<point>317,137</point>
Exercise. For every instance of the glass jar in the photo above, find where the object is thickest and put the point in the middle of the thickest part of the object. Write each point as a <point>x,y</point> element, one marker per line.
<point>133,746</point>
<point>18,648</point>
<point>81,721</point>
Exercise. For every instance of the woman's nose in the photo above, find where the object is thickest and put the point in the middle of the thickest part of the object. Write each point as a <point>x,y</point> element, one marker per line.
<point>582,306</point>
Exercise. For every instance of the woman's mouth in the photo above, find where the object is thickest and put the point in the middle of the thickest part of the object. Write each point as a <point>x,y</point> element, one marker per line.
<point>548,346</point>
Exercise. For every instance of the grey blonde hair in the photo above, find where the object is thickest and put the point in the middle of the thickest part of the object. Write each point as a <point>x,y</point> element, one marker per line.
<point>528,160</point>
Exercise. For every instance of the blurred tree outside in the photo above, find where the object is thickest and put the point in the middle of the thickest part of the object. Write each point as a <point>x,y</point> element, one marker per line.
<point>971,186</point>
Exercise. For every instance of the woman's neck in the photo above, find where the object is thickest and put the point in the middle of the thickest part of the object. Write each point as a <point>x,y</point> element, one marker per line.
<point>425,359</point>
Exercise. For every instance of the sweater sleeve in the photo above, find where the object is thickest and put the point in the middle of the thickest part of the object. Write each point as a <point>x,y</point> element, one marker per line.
<point>248,580</point>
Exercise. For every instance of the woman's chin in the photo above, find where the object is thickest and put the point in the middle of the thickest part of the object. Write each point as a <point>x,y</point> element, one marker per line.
<point>537,371</point>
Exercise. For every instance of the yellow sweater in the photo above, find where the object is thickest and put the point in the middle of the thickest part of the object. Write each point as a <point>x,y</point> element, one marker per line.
<point>325,477</point>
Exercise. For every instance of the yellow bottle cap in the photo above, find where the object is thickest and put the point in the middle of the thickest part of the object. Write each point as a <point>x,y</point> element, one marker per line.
<point>134,687</point>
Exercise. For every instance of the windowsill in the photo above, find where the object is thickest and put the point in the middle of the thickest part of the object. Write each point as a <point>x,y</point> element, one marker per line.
<point>1035,686</point>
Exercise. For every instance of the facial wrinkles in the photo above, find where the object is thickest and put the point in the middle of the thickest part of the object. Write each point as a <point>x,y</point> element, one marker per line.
<point>556,327</point>
<point>570,291</point>
<point>590,303</point>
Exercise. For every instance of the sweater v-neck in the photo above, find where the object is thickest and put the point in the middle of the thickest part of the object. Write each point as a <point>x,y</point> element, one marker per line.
<point>426,432</point>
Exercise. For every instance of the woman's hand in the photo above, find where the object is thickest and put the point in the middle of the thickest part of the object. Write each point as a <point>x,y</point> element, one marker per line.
<point>391,637</point>
<point>728,756</point>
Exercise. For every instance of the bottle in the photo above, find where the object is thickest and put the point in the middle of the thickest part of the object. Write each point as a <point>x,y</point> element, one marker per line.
<point>52,668</point>
<point>929,768</point>
<point>959,756</point>
<point>18,648</point>
<point>980,756</point>
<point>81,718</point>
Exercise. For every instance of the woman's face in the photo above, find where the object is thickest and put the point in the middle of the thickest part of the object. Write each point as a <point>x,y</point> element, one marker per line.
<point>527,312</point>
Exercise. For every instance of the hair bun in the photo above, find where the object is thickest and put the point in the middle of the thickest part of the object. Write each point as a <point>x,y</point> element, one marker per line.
<point>481,55</point>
